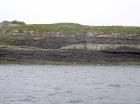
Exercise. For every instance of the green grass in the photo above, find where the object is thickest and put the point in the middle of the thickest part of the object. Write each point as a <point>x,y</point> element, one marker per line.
<point>72,28</point>
<point>6,36</point>
<point>115,29</point>
<point>7,44</point>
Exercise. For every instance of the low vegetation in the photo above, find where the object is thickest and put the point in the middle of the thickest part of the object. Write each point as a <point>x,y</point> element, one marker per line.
<point>72,28</point>
<point>7,36</point>
<point>7,44</point>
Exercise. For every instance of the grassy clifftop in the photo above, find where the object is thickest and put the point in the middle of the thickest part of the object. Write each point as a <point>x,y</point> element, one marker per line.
<point>71,28</point>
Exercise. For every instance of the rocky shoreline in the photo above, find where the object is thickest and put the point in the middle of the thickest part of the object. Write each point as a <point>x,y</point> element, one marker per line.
<point>68,43</point>
<point>36,55</point>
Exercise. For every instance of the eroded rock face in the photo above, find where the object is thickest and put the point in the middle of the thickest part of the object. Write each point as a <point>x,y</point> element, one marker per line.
<point>29,54</point>
<point>59,42</point>
<point>104,47</point>
<point>90,46</point>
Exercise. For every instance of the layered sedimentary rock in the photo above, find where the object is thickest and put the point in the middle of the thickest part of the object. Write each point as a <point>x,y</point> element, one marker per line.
<point>20,44</point>
<point>30,54</point>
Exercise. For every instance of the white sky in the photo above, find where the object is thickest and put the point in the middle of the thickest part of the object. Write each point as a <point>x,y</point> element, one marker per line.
<point>88,12</point>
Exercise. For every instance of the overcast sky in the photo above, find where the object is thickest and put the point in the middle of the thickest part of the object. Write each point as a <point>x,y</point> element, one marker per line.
<point>87,12</point>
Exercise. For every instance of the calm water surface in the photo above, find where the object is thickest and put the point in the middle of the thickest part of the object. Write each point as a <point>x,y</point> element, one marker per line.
<point>69,84</point>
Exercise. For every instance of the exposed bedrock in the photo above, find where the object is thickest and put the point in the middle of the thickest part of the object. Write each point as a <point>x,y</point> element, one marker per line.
<point>23,53</point>
<point>55,46</point>
<point>59,42</point>
<point>104,47</point>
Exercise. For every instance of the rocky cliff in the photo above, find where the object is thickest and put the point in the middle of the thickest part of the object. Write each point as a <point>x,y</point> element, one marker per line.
<point>69,42</point>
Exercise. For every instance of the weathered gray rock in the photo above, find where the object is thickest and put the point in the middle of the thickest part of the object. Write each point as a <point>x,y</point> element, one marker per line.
<point>24,53</point>
<point>57,46</point>
<point>59,42</point>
